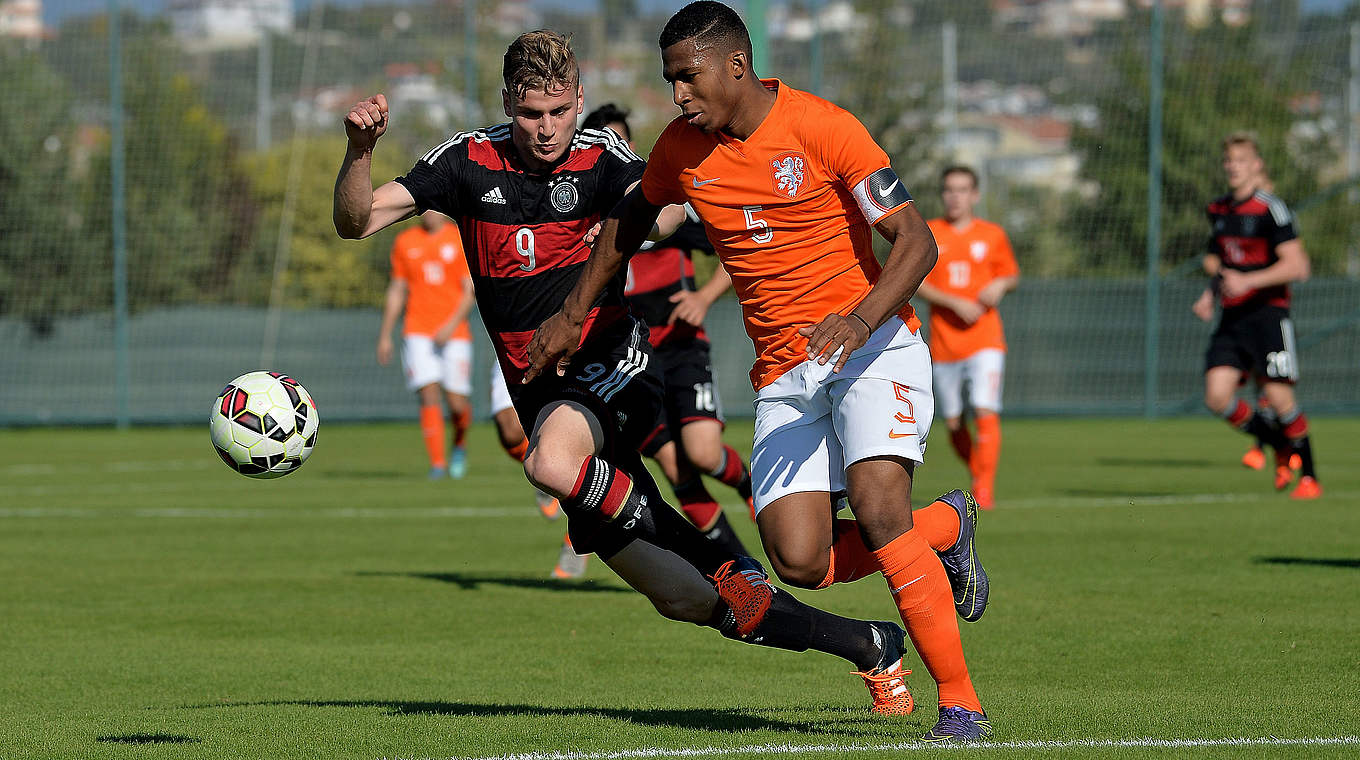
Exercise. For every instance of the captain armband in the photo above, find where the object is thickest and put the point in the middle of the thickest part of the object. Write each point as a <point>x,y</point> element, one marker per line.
<point>880,193</point>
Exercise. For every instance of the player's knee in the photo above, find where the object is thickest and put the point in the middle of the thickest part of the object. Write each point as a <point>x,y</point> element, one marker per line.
<point>1216,401</point>
<point>805,569</point>
<point>706,459</point>
<point>551,472</point>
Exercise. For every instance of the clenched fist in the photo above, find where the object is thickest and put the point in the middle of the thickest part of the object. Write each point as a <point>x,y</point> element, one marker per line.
<point>366,122</point>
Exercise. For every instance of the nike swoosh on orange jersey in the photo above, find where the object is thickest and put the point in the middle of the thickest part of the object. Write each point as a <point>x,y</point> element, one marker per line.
<point>895,434</point>
<point>697,183</point>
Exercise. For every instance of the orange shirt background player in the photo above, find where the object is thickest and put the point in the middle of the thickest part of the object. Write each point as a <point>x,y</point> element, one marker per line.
<point>969,259</point>
<point>789,231</point>
<point>433,266</point>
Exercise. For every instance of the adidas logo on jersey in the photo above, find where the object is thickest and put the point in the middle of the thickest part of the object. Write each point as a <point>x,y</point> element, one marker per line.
<point>494,196</point>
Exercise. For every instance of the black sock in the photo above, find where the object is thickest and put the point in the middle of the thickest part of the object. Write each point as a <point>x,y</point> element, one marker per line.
<point>1294,427</point>
<point>629,500</point>
<point>722,534</point>
<point>792,625</point>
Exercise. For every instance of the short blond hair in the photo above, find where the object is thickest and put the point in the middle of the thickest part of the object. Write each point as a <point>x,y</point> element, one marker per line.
<point>1243,137</point>
<point>540,60</point>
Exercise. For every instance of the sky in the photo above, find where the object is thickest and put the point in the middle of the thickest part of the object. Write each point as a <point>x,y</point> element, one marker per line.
<point>56,10</point>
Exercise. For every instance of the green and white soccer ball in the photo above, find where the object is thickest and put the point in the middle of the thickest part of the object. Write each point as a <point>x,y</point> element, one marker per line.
<point>263,424</point>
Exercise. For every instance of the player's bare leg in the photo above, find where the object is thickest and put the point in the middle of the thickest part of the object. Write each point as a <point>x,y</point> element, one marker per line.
<point>460,412</point>
<point>1220,396</point>
<point>695,500</point>
<point>516,443</point>
<point>703,445</point>
<point>680,592</point>
<point>798,533</point>
<point>563,460</point>
<point>1294,429</point>
<point>432,428</point>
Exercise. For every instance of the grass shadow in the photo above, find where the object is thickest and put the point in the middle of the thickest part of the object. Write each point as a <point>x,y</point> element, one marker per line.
<point>473,582</point>
<point>1163,462</point>
<point>716,720</point>
<point>1352,564</point>
<point>147,739</point>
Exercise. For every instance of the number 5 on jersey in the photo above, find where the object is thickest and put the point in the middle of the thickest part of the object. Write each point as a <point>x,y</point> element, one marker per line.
<point>754,222</point>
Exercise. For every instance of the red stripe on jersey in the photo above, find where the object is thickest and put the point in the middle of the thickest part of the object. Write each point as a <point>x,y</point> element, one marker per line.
<point>657,269</point>
<point>510,345</point>
<point>527,249</point>
<point>496,156</point>
<point>659,335</point>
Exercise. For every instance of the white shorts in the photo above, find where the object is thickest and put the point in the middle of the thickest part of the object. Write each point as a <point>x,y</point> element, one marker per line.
<point>983,373</point>
<point>425,363</point>
<point>500,394</point>
<point>811,424</point>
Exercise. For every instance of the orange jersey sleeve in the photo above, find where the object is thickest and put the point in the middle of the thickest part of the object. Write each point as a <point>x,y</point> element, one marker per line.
<point>969,259</point>
<point>434,268</point>
<point>783,212</point>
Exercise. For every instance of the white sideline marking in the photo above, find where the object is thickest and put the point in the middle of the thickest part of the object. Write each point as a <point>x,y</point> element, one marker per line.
<point>528,511</point>
<point>254,514</point>
<point>803,749</point>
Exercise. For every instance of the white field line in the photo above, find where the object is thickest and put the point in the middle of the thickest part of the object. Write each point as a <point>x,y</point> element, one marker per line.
<point>528,511</point>
<point>804,749</point>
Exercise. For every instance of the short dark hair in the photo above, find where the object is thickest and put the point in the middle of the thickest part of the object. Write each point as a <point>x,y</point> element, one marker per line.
<point>708,23</point>
<point>959,169</point>
<point>608,114</point>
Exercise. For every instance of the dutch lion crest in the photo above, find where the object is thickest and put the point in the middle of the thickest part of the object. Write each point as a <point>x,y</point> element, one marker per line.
<point>788,173</point>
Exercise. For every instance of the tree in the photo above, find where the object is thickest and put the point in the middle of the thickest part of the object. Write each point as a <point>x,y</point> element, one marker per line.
<point>323,270</point>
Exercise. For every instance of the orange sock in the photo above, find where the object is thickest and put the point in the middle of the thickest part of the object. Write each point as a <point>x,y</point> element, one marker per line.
<point>432,427</point>
<point>461,422</point>
<point>518,451</point>
<point>987,450</point>
<point>938,524</point>
<point>921,590</point>
<point>962,441</point>
<point>850,558</point>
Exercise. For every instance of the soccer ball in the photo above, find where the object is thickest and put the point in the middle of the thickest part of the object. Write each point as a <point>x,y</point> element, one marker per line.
<point>263,424</point>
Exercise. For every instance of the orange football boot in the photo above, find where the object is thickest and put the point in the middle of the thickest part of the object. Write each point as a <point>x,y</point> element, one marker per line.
<point>743,586</point>
<point>1308,488</point>
<point>1254,459</point>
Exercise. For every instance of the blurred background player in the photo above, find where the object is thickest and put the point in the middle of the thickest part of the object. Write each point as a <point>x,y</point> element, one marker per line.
<point>430,280</point>
<point>976,268</point>
<point>1253,255</point>
<point>661,291</point>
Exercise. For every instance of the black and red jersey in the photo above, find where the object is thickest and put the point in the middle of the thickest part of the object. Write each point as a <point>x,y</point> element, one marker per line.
<point>659,272</point>
<point>524,232</point>
<point>1244,238</point>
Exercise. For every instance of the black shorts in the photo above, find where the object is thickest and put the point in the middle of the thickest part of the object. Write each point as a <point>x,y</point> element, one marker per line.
<point>690,392</point>
<point>1258,341</point>
<point>613,378</point>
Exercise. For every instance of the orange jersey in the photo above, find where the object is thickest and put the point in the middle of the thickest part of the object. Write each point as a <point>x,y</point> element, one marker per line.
<point>786,211</point>
<point>434,269</point>
<point>969,259</point>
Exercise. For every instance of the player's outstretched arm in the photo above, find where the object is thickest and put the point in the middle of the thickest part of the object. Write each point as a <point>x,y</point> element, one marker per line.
<point>912,257</point>
<point>359,210</point>
<point>621,233</point>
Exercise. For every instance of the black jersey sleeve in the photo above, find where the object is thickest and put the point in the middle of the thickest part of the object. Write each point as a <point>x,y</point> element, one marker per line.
<point>1211,245</point>
<point>433,181</point>
<point>619,168</point>
<point>1281,225</point>
<point>690,236</point>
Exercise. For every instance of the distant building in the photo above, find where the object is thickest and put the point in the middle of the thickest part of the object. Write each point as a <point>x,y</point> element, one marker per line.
<point>21,19</point>
<point>228,23</point>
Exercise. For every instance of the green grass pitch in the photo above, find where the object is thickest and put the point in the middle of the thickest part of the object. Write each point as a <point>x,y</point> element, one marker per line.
<point>1146,589</point>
